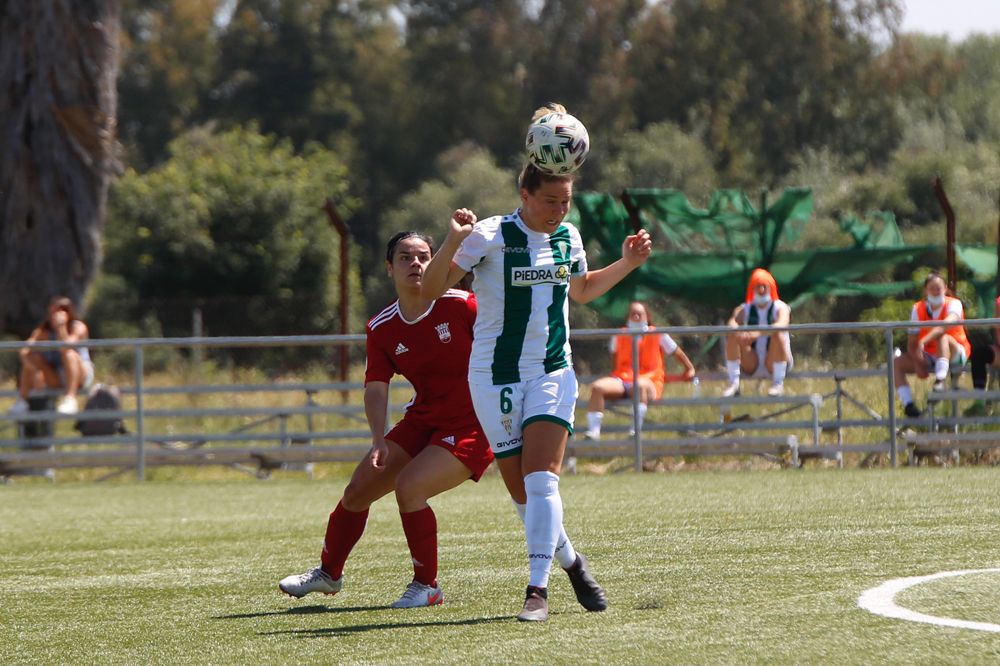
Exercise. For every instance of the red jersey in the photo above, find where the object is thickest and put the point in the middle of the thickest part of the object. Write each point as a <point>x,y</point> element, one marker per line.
<point>432,353</point>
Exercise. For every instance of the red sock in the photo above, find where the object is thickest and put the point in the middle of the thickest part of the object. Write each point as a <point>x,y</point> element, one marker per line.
<point>421,528</point>
<point>342,531</point>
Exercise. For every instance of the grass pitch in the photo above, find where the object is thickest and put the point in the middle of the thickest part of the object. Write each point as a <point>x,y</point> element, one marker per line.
<point>700,567</point>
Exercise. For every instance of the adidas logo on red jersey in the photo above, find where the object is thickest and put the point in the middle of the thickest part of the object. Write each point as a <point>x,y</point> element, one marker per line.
<point>401,349</point>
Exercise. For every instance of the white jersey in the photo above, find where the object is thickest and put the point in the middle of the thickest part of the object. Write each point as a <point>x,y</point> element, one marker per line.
<point>522,287</point>
<point>758,316</point>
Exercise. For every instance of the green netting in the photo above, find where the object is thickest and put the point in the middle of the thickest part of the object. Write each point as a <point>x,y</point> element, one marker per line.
<point>706,255</point>
<point>982,261</point>
<point>878,230</point>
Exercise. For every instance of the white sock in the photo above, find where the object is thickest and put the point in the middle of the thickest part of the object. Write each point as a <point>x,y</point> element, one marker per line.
<point>542,522</point>
<point>565,553</point>
<point>780,368</point>
<point>941,368</point>
<point>905,395</point>
<point>733,371</point>
<point>642,413</point>
<point>594,422</point>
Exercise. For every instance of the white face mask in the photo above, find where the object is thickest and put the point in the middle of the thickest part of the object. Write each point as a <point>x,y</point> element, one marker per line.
<point>762,300</point>
<point>636,325</point>
<point>935,301</point>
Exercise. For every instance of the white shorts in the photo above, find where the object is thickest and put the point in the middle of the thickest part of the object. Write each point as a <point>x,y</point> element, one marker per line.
<point>503,411</point>
<point>760,347</point>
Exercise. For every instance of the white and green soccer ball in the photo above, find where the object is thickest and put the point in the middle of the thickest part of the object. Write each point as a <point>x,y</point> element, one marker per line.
<point>557,143</point>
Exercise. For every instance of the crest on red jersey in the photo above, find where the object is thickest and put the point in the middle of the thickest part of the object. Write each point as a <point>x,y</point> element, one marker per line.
<point>443,332</point>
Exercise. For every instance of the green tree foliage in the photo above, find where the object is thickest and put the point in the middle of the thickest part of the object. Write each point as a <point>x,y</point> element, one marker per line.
<point>169,51</point>
<point>469,178</point>
<point>332,72</point>
<point>580,54</point>
<point>231,223</point>
<point>470,69</point>
<point>661,155</point>
<point>689,93</point>
<point>764,80</point>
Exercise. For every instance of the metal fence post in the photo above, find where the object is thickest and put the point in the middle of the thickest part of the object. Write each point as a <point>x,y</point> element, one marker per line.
<point>637,438</point>
<point>890,352</point>
<point>140,426</point>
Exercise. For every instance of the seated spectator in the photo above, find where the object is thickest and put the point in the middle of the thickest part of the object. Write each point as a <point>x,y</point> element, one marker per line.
<point>653,352</point>
<point>984,356</point>
<point>67,368</point>
<point>932,348</point>
<point>757,353</point>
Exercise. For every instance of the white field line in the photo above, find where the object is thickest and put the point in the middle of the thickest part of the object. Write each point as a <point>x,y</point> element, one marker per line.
<point>881,601</point>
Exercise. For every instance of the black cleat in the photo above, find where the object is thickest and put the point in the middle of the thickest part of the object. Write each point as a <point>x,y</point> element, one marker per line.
<point>536,605</point>
<point>590,595</point>
<point>911,410</point>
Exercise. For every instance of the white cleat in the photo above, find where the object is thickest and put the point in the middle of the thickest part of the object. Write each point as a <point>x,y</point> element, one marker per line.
<point>592,434</point>
<point>67,405</point>
<point>418,595</point>
<point>314,580</point>
<point>776,390</point>
<point>19,407</point>
<point>733,388</point>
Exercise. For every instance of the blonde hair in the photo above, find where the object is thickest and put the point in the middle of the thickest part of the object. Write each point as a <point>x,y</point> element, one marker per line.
<point>551,107</point>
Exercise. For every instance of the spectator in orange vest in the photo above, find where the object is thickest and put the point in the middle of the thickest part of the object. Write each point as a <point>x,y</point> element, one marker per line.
<point>756,353</point>
<point>932,348</point>
<point>653,352</point>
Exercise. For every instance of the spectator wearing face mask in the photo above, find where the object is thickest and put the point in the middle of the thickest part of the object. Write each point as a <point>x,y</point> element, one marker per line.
<point>653,352</point>
<point>932,349</point>
<point>759,353</point>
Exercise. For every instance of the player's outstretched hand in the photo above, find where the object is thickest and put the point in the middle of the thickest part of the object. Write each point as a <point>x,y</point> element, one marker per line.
<point>379,454</point>
<point>636,249</point>
<point>461,223</point>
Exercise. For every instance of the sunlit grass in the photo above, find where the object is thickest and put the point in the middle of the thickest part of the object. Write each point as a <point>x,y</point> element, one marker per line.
<point>700,567</point>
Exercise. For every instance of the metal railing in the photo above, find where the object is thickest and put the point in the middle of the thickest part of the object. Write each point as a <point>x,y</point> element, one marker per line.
<point>141,413</point>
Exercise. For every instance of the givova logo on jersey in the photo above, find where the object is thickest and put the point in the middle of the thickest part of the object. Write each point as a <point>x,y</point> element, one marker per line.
<point>529,276</point>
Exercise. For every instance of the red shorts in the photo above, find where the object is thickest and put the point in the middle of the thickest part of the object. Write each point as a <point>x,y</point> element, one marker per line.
<point>464,441</point>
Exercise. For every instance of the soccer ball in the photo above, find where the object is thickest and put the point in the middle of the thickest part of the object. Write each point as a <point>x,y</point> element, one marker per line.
<point>557,143</point>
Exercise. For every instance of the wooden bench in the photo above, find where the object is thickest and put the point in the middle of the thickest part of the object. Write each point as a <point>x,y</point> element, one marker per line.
<point>936,444</point>
<point>687,446</point>
<point>264,458</point>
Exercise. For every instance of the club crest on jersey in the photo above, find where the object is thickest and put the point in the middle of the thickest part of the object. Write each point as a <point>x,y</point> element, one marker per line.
<point>443,332</point>
<point>529,276</point>
<point>508,424</point>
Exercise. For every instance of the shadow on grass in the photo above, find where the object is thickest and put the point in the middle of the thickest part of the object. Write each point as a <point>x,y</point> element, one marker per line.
<point>359,628</point>
<point>302,610</point>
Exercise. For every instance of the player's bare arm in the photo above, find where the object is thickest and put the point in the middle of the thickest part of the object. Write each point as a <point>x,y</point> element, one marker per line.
<point>441,273</point>
<point>376,402</point>
<point>635,251</point>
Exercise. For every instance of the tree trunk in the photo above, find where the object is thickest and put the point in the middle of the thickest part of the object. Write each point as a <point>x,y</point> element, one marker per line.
<point>58,70</point>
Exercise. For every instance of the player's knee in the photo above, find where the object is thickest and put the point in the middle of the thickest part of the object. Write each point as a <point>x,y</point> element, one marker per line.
<point>410,492</point>
<point>355,497</point>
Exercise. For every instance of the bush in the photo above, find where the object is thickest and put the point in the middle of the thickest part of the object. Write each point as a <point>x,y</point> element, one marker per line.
<point>232,224</point>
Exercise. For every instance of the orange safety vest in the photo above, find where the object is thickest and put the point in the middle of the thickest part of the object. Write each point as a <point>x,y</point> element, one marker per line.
<point>650,359</point>
<point>957,332</point>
